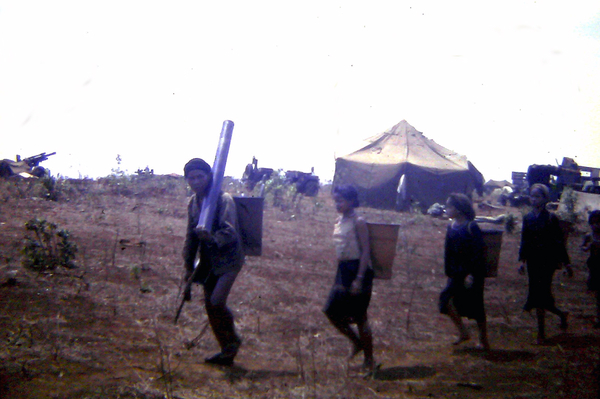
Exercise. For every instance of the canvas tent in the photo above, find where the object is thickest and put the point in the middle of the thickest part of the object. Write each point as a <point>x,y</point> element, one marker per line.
<point>400,167</point>
<point>491,185</point>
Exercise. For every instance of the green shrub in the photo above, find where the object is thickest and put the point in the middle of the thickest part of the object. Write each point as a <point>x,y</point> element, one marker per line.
<point>46,248</point>
<point>510,223</point>
<point>49,184</point>
<point>569,199</point>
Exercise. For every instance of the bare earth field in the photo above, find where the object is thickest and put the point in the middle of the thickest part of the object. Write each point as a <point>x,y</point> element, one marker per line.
<point>105,329</point>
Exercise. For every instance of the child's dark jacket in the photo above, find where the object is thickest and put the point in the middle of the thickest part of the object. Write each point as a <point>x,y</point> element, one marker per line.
<point>463,254</point>
<point>542,240</point>
<point>593,262</point>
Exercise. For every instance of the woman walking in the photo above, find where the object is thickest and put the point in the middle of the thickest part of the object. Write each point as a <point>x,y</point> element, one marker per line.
<point>465,268</point>
<point>351,292</point>
<point>591,244</point>
<point>542,252</point>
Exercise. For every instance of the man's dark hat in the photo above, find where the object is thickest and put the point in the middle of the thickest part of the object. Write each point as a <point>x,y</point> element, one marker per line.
<point>196,164</point>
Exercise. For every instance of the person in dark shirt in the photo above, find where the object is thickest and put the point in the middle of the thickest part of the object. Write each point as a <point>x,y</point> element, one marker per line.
<point>220,258</point>
<point>465,268</point>
<point>541,253</point>
<point>591,244</point>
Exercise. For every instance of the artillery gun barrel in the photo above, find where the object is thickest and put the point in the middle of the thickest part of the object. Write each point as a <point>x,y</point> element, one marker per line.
<point>209,205</point>
<point>36,159</point>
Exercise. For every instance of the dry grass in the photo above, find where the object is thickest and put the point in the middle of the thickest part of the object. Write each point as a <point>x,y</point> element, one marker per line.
<point>105,329</point>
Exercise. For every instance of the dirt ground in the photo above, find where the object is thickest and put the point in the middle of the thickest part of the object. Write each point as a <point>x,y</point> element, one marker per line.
<point>105,329</point>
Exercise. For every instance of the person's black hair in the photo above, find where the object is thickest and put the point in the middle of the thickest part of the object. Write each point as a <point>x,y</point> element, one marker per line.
<point>349,193</point>
<point>593,216</point>
<point>199,164</point>
<point>196,164</point>
<point>463,204</point>
<point>542,188</point>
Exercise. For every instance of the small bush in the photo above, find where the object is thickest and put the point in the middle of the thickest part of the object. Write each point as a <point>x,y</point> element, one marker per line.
<point>46,247</point>
<point>50,186</point>
<point>511,223</point>
<point>569,199</point>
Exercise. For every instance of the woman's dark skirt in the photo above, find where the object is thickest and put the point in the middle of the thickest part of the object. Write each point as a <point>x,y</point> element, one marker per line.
<point>539,294</point>
<point>343,305</point>
<point>468,301</point>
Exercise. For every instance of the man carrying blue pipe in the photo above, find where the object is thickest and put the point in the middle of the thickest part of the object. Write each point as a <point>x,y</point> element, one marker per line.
<point>218,247</point>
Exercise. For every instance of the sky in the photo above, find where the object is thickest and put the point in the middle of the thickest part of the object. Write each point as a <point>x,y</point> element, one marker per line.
<point>507,84</point>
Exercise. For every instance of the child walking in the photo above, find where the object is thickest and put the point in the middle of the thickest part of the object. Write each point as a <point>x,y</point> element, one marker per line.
<point>465,268</point>
<point>542,252</point>
<point>591,244</point>
<point>351,292</point>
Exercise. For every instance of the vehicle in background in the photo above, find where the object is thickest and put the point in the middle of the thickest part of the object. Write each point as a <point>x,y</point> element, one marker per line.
<point>305,183</point>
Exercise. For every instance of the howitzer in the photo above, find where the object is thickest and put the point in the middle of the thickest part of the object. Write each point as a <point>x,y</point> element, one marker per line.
<point>36,159</point>
<point>209,204</point>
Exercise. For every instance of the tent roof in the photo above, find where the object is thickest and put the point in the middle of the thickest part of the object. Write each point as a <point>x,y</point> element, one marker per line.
<point>404,144</point>
<point>497,183</point>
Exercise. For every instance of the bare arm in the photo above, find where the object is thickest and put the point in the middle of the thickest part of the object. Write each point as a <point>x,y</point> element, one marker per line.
<point>365,253</point>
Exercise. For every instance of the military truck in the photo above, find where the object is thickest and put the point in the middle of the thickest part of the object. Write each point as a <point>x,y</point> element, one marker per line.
<point>568,174</point>
<point>306,183</point>
<point>253,174</point>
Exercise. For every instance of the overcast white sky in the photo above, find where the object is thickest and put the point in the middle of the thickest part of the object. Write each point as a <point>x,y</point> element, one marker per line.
<point>507,84</point>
